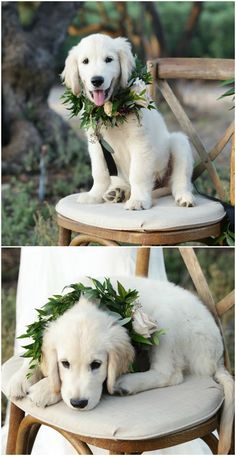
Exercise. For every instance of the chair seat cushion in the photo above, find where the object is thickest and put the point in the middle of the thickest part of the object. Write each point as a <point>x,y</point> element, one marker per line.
<point>164,215</point>
<point>150,414</point>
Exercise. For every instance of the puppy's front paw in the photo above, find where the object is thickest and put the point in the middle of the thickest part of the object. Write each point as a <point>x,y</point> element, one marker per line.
<point>17,388</point>
<point>41,395</point>
<point>185,199</point>
<point>137,205</point>
<point>124,386</point>
<point>89,198</point>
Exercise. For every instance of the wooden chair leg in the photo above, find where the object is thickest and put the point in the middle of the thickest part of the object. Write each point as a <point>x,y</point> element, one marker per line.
<point>64,236</point>
<point>211,441</point>
<point>32,436</point>
<point>16,416</point>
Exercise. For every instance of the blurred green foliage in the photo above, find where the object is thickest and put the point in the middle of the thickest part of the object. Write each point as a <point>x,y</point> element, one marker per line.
<point>214,35</point>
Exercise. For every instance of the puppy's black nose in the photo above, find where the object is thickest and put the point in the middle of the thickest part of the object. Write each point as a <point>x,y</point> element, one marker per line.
<point>79,403</point>
<point>97,81</point>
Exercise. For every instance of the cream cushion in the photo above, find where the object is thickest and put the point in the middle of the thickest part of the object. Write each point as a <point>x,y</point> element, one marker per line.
<point>164,215</point>
<point>150,414</point>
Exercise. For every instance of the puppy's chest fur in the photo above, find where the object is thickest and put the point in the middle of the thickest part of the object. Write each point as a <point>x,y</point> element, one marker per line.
<point>125,141</point>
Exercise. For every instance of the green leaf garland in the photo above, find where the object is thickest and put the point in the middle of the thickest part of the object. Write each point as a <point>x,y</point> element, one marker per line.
<point>123,102</point>
<point>120,304</point>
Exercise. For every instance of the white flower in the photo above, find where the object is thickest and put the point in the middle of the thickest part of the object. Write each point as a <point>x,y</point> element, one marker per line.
<point>142,323</point>
<point>108,108</point>
<point>138,87</point>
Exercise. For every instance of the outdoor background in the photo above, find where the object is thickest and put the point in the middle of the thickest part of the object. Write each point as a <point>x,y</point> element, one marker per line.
<point>217,265</point>
<point>44,153</point>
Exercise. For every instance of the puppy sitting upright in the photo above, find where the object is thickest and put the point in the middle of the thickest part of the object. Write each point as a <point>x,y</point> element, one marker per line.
<point>144,152</point>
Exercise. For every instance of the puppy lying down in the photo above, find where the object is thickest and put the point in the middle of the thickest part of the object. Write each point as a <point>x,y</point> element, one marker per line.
<point>86,347</point>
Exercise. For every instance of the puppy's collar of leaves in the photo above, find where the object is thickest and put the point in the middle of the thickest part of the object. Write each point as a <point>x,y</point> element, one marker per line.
<point>122,103</point>
<point>120,304</point>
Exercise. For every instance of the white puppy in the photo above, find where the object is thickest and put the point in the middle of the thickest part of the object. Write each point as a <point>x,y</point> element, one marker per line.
<point>86,347</point>
<point>144,154</point>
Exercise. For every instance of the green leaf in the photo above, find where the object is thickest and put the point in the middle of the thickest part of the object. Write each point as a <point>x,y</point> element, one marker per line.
<point>121,290</point>
<point>138,338</point>
<point>230,241</point>
<point>227,82</point>
<point>124,321</point>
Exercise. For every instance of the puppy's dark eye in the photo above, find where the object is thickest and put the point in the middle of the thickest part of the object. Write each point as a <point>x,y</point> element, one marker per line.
<point>108,59</point>
<point>95,365</point>
<point>65,364</point>
<point>86,61</point>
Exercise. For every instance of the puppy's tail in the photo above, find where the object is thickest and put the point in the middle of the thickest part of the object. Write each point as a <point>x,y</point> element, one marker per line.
<point>226,423</point>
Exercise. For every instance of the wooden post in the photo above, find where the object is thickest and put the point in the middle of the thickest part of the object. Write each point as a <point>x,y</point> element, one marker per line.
<point>151,67</point>
<point>142,261</point>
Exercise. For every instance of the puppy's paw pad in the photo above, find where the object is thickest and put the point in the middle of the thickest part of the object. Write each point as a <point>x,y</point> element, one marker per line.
<point>116,195</point>
<point>185,200</point>
<point>88,198</point>
<point>137,205</point>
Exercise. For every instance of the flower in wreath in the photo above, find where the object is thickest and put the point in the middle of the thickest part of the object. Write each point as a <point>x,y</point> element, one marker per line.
<point>139,88</point>
<point>108,108</point>
<point>142,323</point>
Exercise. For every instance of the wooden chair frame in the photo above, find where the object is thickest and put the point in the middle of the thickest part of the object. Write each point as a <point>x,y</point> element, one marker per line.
<point>161,70</point>
<point>23,429</point>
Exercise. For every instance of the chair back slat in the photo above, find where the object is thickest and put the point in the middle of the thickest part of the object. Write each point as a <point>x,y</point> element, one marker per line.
<point>200,283</point>
<point>225,304</point>
<point>198,278</point>
<point>189,129</point>
<point>194,68</point>
<point>203,69</point>
<point>215,151</point>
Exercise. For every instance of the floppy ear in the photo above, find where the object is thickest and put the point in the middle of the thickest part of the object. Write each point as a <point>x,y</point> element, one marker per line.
<point>127,61</point>
<point>70,74</point>
<point>120,355</point>
<point>49,364</point>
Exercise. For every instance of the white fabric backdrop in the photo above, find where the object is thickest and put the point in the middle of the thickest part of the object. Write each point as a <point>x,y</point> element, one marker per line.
<point>44,272</point>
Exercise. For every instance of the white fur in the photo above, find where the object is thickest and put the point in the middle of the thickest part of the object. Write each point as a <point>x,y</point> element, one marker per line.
<point>141,152</point>
<point>192,344</point>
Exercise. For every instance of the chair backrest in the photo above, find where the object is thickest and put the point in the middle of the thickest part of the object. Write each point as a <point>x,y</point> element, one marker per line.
<point>200,283</point>
<point>203,69</point>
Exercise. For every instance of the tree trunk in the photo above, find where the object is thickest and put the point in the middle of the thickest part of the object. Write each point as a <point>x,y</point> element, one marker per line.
<point>29,72</point>
<point>190,29</point>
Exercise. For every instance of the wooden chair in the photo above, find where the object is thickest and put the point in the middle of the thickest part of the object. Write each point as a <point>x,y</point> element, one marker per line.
<point>23,428</point>
<point>79,219</point>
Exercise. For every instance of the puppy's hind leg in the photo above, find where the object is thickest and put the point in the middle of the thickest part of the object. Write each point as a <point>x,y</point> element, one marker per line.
<point>118,191</point>
<point>182,168</point>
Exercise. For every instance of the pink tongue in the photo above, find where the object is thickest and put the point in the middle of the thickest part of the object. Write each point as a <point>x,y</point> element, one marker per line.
<point>99,97</point>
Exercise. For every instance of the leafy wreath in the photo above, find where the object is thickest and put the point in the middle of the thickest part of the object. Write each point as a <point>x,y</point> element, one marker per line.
<point>122,304</point>
<point>114,112</point>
